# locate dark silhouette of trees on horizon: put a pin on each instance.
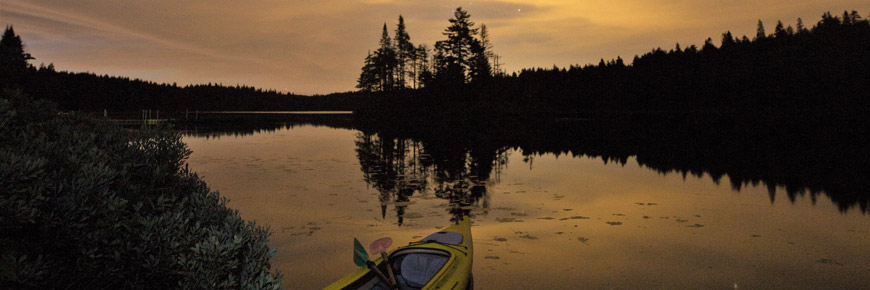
(91, 92)
(823, 68)
(463, 58)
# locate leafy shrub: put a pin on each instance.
(85, 204)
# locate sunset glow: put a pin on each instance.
(313, 47)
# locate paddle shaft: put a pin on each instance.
(378, 272)
(390, 270)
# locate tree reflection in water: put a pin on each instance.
(398, 168)
(814, 155)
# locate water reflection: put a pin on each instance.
(398, 168)
(218, 124)
(545, 204)
(458, 160)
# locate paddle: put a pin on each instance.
(361, 258)
(380, 246)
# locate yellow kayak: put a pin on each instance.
(441, 260)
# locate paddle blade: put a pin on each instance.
(360, 257)
(381, 245)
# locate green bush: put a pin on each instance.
(85, 204)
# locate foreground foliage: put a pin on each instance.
(87, 205)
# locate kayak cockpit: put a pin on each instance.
(413, 269)
(416, 267)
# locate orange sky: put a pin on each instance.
(318, 46)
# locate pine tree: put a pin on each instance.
(405, 52)
(386, 61)
(368, 80)
(490, 55)
(480, 68)
(779, 31)
(727, 40)
(800, 26)
(454, 55)
(13, 59)
(379, 71)
(760, 34)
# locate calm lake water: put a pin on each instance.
(541, 221)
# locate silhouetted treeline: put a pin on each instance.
(91, 92)
(823, 68)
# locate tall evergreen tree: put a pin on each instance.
(479, 67)
(369, 80)
(454, 55)
(386, 62)
(379, 71)
(405, 52)
(13, 59)
(482, 69)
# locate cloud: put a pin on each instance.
(64, 24)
